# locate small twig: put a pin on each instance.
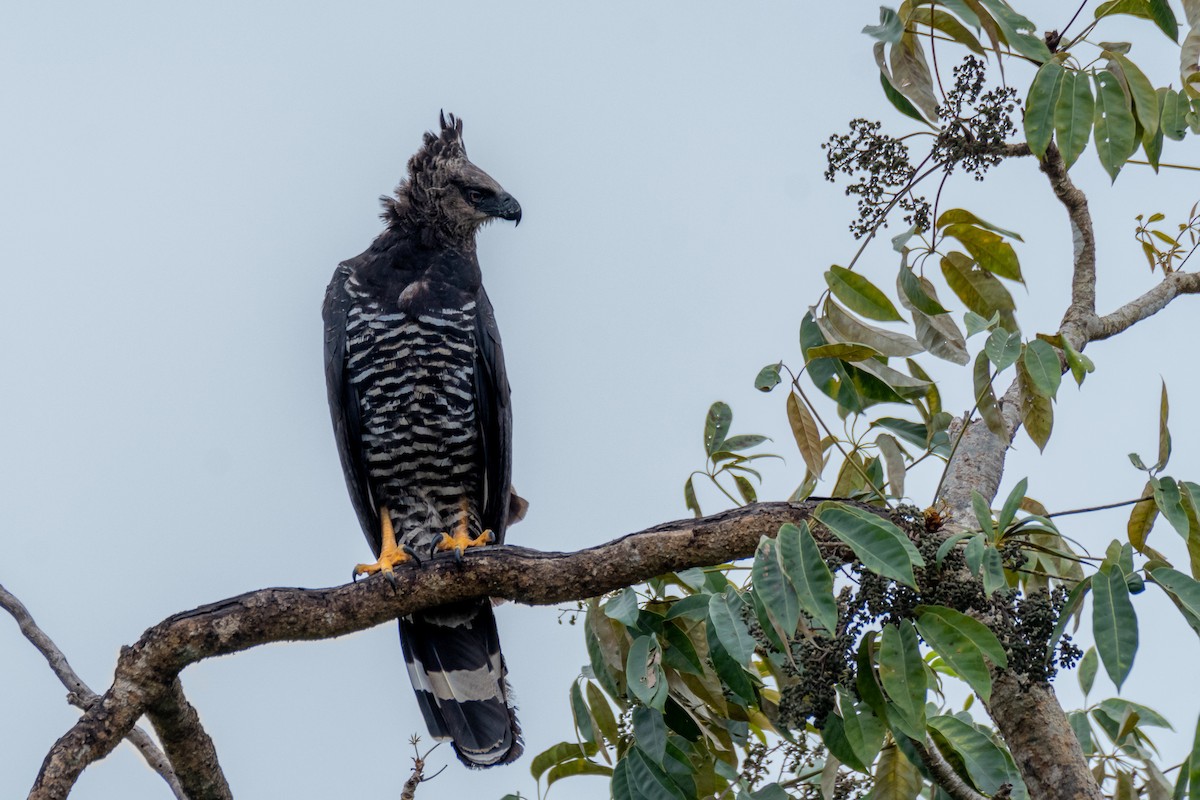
(79, 694)
(1100, 508)
(418, 771)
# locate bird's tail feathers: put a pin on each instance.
(454, 660)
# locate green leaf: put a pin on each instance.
(978, 289)
(847, 351)
(732, 674)
(911, 432)
(1087, 670)
(895, 776)
(903, 385)
(623, 607)
(1040, 107)
(1145, 100)
(768, 377)
(1184, 591)
(899, 101)
(1170, 502)
(1081, 366)
(993, 571)
(838, 325)
(1011, 504)
(725, 618)
(962, 642)
(555, 754)
(643, 672)
(1164, 433)
(940, 335)
(1044, 369)
(809, 575)
(946, 23)
(1141, 519)
(806, 433)
(1114, 623)
(745, 489)
(774, 589)
(578, 766)
(902, 672)
(650, 733)
(602, 714)
(1037, 413)
(1013, 26)
(956, 215)
(716, 426)
(950, 543)
(1159, 11)
(977, 324)
(1073, 116)
(985, 397)
(988, 249)
(1119, 707)
(689, 497)
(679, 652)
(864, 731)
(865, 680)
(860, 295)
(910, 287)
(983, 514)
(880, 545)
(1175, 108)
(911, 76)
(889, 28)
(583, 717)
(893, 459)
(1003, 348)
(1114, 123)
(833, 734)
(986, 763)
(647, 780)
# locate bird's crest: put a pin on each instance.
(428, 200)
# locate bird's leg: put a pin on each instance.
(461, 539)
(390, 553)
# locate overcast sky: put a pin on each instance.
(179, 181)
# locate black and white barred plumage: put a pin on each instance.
(420, 406)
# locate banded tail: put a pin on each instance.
(453, 658)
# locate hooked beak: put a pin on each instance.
(505, 206)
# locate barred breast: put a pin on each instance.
(413, 372)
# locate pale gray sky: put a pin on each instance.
(179, 182)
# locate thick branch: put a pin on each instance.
(1147, 305)
(1083, 277)
(146, 673)
(188, 745)
(79, 694)
(1046, 751)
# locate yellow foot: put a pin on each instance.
(461, 539)
(390, 554)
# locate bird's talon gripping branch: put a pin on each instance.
(390, 554)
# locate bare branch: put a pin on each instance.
(1083, 278)
(146, 675)
(188, 745)
(1149, 304)
(944, 774)
(79, 694)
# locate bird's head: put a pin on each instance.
(445, 194)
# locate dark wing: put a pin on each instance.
(494, 418)
(343, 403)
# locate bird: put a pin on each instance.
(420, 403)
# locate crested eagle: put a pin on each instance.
(420, 407)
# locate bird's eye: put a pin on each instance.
(474, 195)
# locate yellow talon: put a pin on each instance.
(390, 554)
(461, 539)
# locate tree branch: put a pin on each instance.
(1149, 304)
(944, 774)
(145, 680)
(1083, 277)
(79, 694)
